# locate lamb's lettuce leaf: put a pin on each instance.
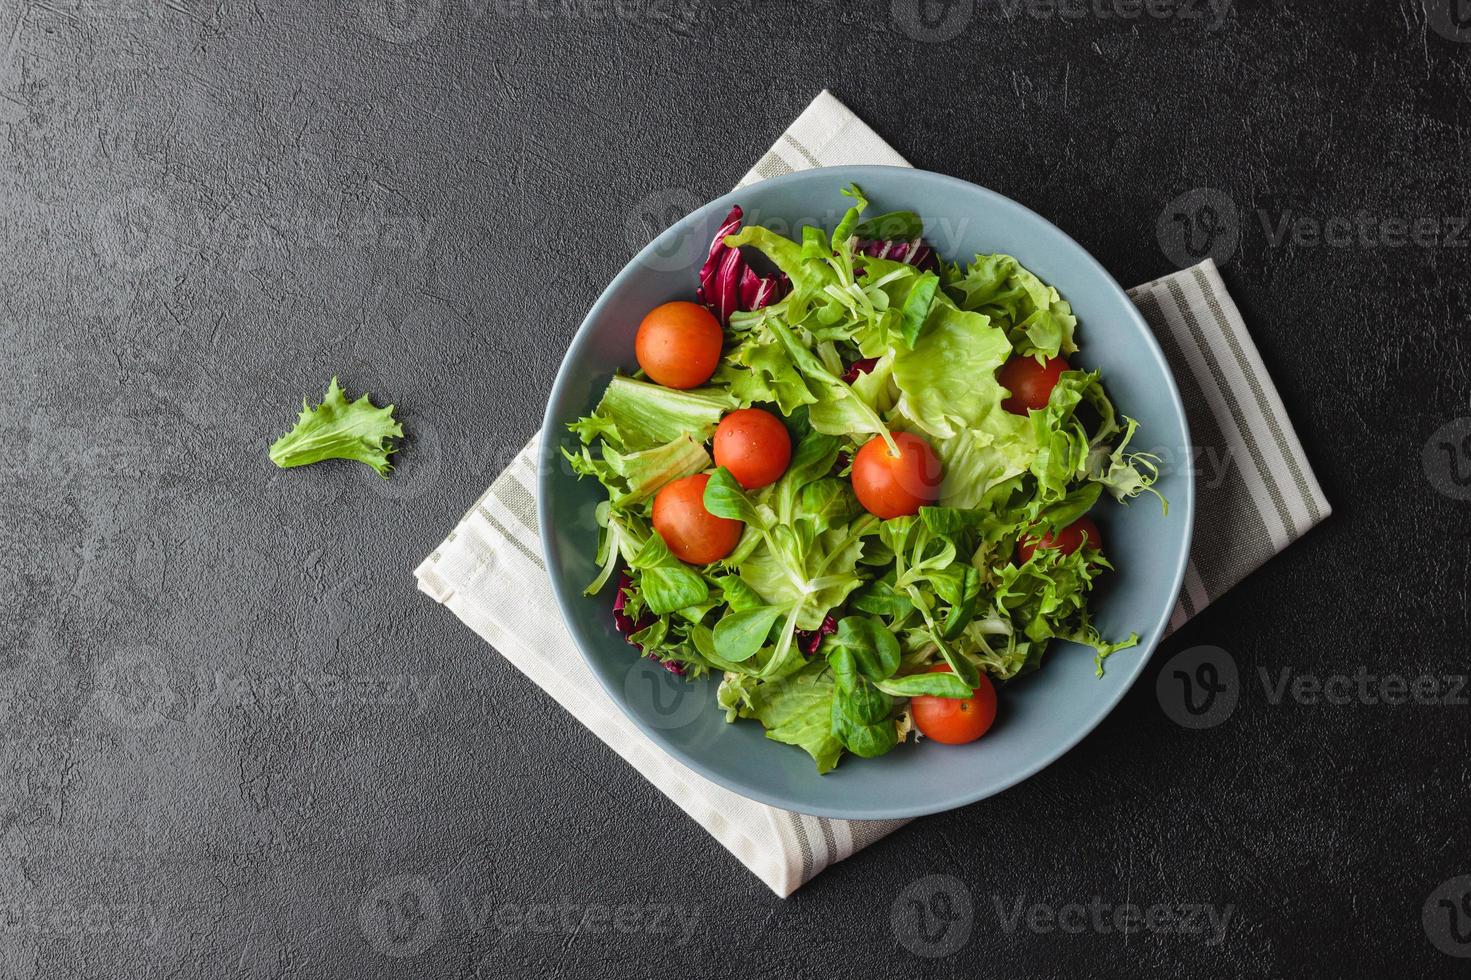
(845, 229)
(665, 582)
(894, 226)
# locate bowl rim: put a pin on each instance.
(876, 807)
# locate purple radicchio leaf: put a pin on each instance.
(861, 366)
(626, 626)
(728, 284)
(915, 253)
(758, 292)
(811, 640)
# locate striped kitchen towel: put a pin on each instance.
(1265, 499)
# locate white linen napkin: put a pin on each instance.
(1257, 508)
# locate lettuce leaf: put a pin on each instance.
(948, 391)
(839, 409)
(645, 472)
(808, 275)
(640, 415)
(810, 575)
(666, 583)
(797, 710)
(1124, 474)
(894, 226)
(846, 227)
(1036, 319)
(1043, 599)
(1068, 452)
(339, 429)
(947, 382)
(914, 315)
(977, 463)
(759, 370)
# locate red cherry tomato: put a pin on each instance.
(754, 446)
(678, 344)
(1069, 540)
(893, 486)
(1030, 383)
(693, 533)
(955, 721)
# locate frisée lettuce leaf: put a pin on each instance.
(339, 429)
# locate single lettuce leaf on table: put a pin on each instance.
(339, 429)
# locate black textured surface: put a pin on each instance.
(207, 210)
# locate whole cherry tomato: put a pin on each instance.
(955, 721)
(754, 445)
(693, 533)
(678, 344)
(890, 485)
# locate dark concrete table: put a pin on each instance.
(235, 737)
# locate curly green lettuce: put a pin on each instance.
(339, 429)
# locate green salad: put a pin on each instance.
(853, 481)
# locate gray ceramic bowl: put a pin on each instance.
(1041, 716)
